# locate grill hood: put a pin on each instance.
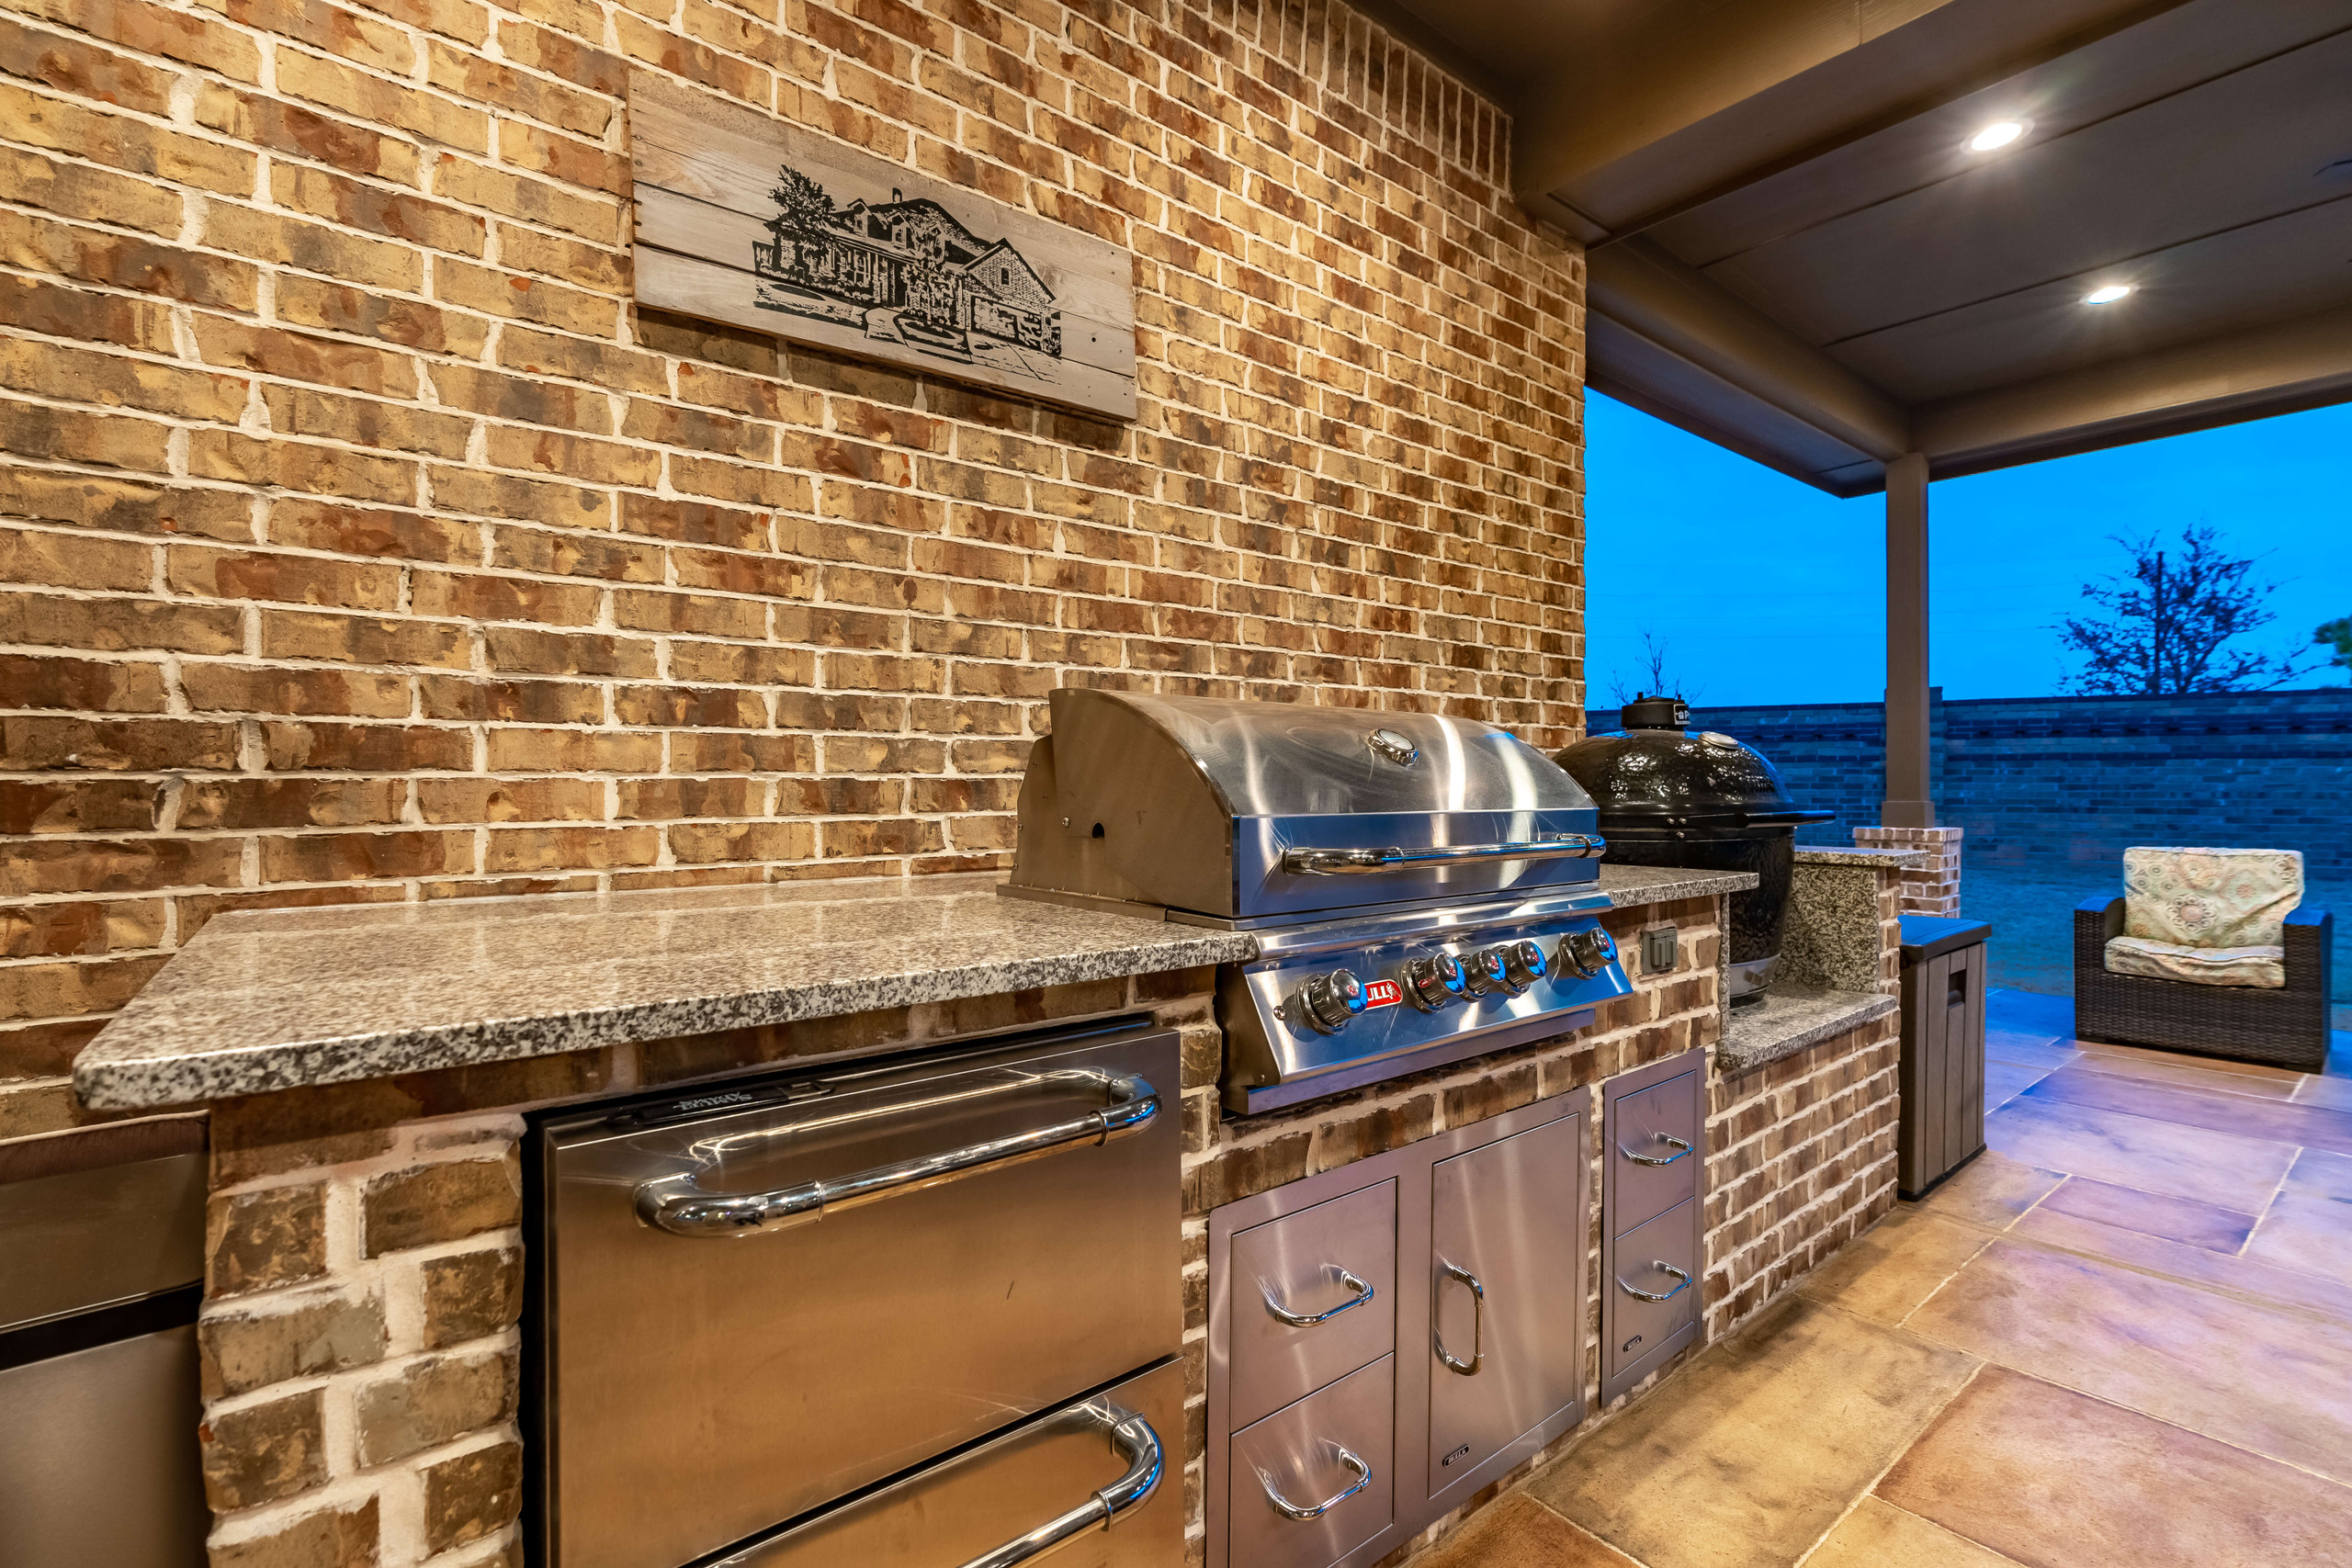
(1244, 809)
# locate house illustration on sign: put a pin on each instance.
(906, 271)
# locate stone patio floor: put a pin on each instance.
(2121, 1338)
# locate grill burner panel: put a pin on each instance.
(1279, 1052)
(1414, 880)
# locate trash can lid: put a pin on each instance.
(1925, 936)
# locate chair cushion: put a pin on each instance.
(2264, 967)
(2217, 898)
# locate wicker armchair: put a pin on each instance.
(2285, 1028)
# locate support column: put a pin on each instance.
(1909, 795)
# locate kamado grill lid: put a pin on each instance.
(1655, 775)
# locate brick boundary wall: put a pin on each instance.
(361, 540)
(2035, 779)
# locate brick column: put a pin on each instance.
(1934, 890)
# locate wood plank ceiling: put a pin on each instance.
(1795, 252)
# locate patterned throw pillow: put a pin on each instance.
(2201, 897)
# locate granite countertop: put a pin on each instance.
(1791, 1018)
(1884, 860)
(282, 999)
(1629, 885)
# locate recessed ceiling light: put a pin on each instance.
(2106, 296)
(2000, 133)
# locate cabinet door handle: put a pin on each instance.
(1663, 1268)
(1359, 1293)
(1290, 1510)
(1677, 1145)
(1468, 1368)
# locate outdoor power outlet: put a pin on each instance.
(1658, 949)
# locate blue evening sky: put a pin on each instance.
(1764, 589)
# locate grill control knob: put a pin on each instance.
(1330, 1000)
(1436, 981)
(1523, 964)
(1484, 972)
(1587, 953)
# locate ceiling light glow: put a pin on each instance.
(2106, 296)
(2000, 133)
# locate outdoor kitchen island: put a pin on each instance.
(368, 1070)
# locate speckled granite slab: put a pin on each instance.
(285, 997)
(1789, 1019)
(1882, 860)
(1629, 885)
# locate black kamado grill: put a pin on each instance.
(1705, 801)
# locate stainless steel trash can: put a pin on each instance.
(1943, 1050)
(101, 1268)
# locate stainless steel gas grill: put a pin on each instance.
(1420, 886)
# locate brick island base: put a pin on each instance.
(364, 1281)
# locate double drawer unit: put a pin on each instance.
(1654, 1158)
(1387, 1337)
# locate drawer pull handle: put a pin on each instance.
(1677, 1145)
(1137, 1443)
(1358, 1293)
(1290, 1510)
(682, 1206)
(1663, 1268)
(1468, 1368)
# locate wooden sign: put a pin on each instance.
(743, 219)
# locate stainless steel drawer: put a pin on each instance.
(1315, 1481)
(1656, 1289)
(1658, 1149)
(98, 1461)
(1128, 1441)
(1314, 1298)
(718, 1359)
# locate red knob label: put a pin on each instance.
(1381, 994)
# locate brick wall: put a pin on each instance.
(1801, 1159)
(360, 540)
(2036, 779)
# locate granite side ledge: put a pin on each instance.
(286, 998)
(1630, 886)
(1791, 1018)
(1881, 860)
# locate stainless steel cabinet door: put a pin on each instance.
(1507, 1246)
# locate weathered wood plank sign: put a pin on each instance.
(746, 219)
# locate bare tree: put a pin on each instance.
(2168, 625)
(2338, 634)
(1651, 677)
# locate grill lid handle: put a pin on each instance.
(681, 1205)
(1371, 862)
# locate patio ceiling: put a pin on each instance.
(1794, 253)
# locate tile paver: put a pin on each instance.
(2121, 1338)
